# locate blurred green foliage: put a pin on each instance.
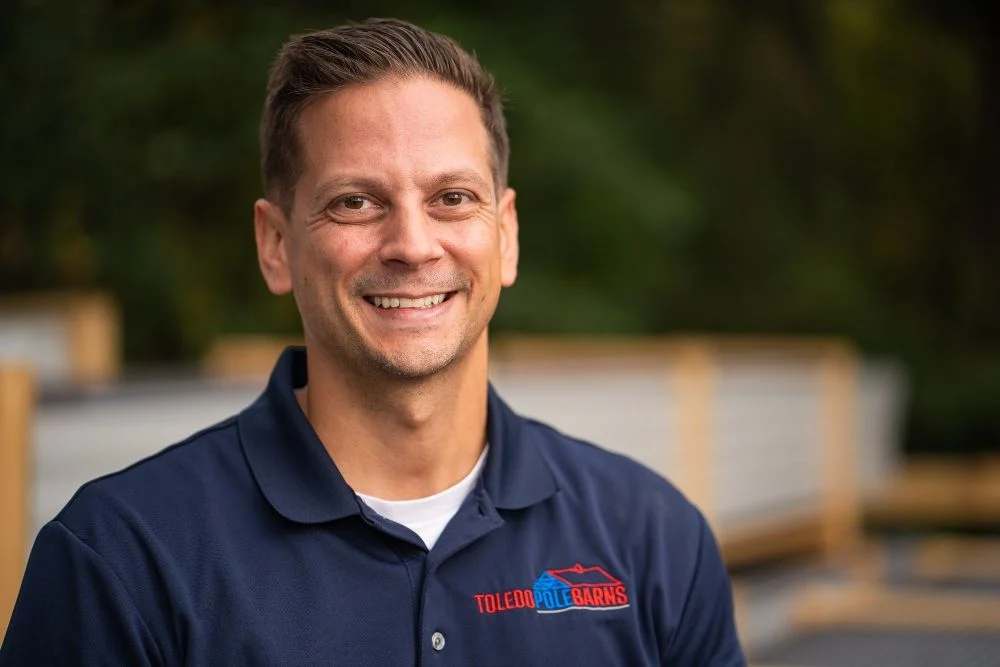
(823, 167)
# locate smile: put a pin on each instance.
(403, 302)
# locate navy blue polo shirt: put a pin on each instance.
(243, 545)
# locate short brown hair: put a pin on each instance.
(315, 64)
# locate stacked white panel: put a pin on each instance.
(625, 407)
(766, 440)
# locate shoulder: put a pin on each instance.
(608, 481)
(161, 489)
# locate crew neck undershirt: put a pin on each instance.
(428, 516)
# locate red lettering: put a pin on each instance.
(492, 603)
(588, 597)
(577, 596)
(599, 597)
(620, 596)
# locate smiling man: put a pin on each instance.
(379, 504)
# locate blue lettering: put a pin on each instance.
(567, 599)
(548, 599)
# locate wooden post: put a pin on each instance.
(838, 424)
(94, 338)
(742, 612)
(84, 327)
(17, 402)
(695, 387)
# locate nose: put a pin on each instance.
(410, 238)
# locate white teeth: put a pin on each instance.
(402, 302)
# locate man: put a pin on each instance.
(379, 504)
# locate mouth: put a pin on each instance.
(399, 302)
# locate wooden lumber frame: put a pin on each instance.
(941, 491)
(877, 606)
(93, 327)
(243, 357)
(842, 492)
(17, 401)
(956, 559)
(830, 529)
(767, 540)
(694, 384)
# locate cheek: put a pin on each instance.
(330, 255)
(476, 246)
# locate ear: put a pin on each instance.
(508, 238)
(270, 230)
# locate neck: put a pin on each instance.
(399, 438)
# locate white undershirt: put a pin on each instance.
(428, 516)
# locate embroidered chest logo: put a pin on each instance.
(568, 589)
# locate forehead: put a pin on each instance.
(400, 129)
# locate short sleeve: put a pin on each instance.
(72, 609)
(706, 632)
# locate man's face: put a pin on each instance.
(397, 244)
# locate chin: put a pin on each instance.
(414, 364)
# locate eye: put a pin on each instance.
(353, 208)
(353, 202)
(454, 198)
(454, 205)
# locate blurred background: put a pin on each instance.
(795, 200)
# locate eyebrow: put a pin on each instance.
(462, 175)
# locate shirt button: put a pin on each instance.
(437, 641)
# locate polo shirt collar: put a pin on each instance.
(516, 474)
(299, 479)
